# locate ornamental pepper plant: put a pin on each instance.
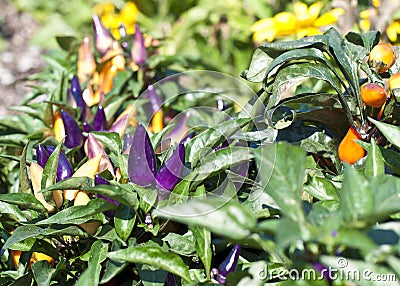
(120, 170)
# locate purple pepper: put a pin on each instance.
(87, 127)
(72, 131)
(188, 137)
(64, 168)
(169, 174)
(102, 37)
(42, 155)
(99, 121)
(77, 93)
(120, 125)
(228, 265)
(99, 180)
(170, 280)
(141, 159)
(221, 104)
(138, 53)
(94, 147)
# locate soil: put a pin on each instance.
(19, 59)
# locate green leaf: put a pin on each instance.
(223, 159)
(391, 132)
(374, 165)
(150, 276)
(384, 190)
(300, 54)
(154, 257)
(21, 233)
(25, 185)
(356, 199)
(73, 183)
(181, 244)
(367, 40)
(225, 218)
(43, 272)
(61, 230)
(98, 253)
(264, 55)
(212, 137)
(285, 183)
(13, 211)
(67, 43)
(203, 246)
(78, 214)
(25, 201)
(347, 56)
(321, 188)
(355, 239)
(296, 73)
(109, 139)
(50, 170)
(148, 199)
(124, 221)
(118, 193)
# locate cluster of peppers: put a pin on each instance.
(375, 98)
(76, 135)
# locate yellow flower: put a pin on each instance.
(393, 30)
(304, 21)
(112, 20)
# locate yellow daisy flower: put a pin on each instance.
(127, 16)
(304, 21)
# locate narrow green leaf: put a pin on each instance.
(293, 74)
(78, 214)
(203, 246)
(109, 139)
(124, 221)
(321, 188)
(50, 170)
(150, 276)
(153, 256)
(213, 136)
(117, 193)
(367, 40)
(73, 183)
(181, 244)
(21, 233)
(25, 185)
(223, 159)
(148, 199)
(347, 56)
(13, 211)
(264, 55)
(374, 165)
(43, 272)
(391, 132)
(225, 218)
(25, 201)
